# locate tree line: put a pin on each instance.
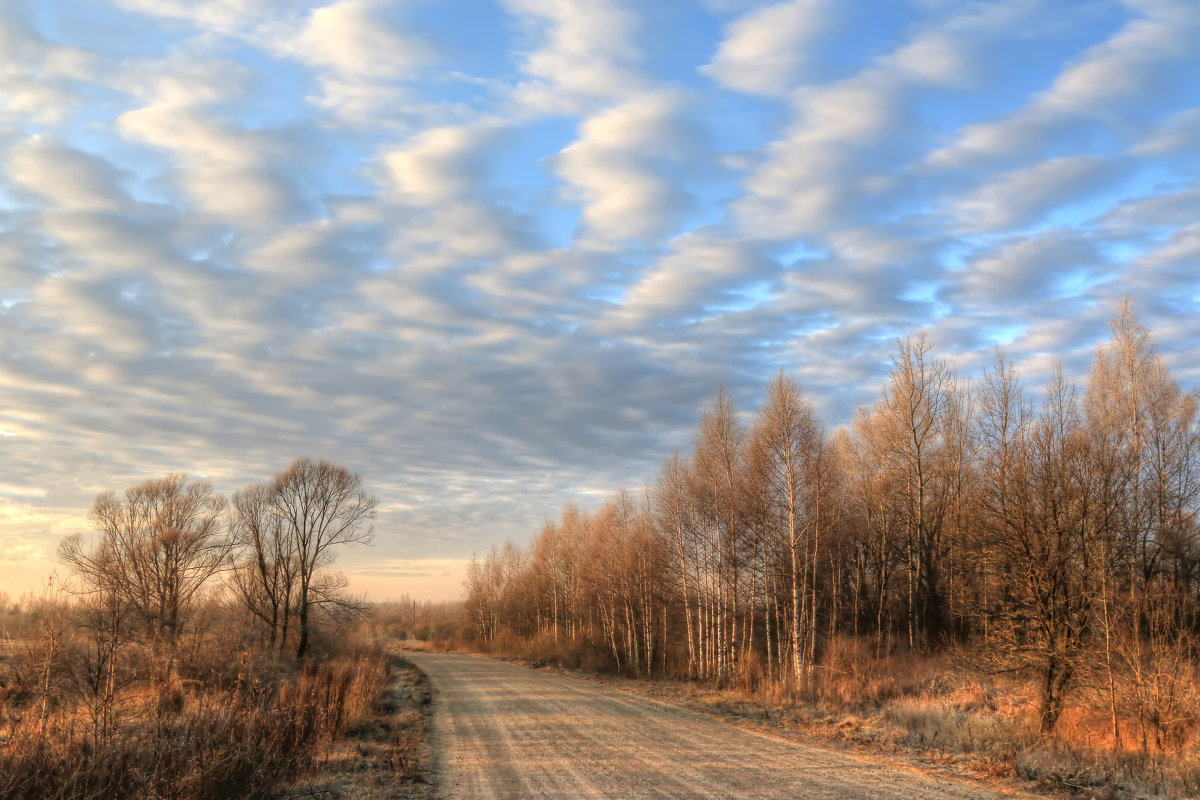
(1053, 536)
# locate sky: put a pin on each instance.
(495, 255)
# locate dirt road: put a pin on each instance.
(508, 732)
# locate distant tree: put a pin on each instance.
(323, 507)
(1147, 426)
(485, 586)
(1061, 543)
(50, 615)
(625, 563)
(554, 561)
(1001, 425)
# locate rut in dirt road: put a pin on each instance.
(507, 732)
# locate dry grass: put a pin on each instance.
(385, 754)
(243, 733)
(989, 726)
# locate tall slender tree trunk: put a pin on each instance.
(797, 598)
(812, 612)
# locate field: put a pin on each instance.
(226, 721)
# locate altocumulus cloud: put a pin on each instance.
(494, 254)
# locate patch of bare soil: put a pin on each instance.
(385, 755)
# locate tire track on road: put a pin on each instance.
(504, 731)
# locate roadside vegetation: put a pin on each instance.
(197, 648)
(385, 753)
(1007, 582)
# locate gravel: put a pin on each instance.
(503, 731)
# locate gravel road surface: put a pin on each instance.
(503, 731)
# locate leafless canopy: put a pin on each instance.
(159, 544)
(322, 506)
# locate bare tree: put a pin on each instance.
(1004, 416)
(484, 586)
(266, 567)
(873, 495)
(159, 546)
(675, 521)
(1145, 436)
(555, 561)
(720, 451)
(324, 507)
(1040, 516)
(792, 444)
(102, 622)
(52, 626)
(915, 404)
(1059, 547)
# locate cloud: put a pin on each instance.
(1164, 276)
(1179, 134)
(624, 167)
(362, 59)
(769, 50)
(231, 173)
(856, 146)
(1025, 196)
(222, 16)
(65, 177)
(185, 80)
(349, 39)
(22, 262)
(317, 251)
(1168, 210)
(222, 167)
(1140, 54)
(699, 278)
(37, 76)
(586, 52)
(970, 45)
(829, 164)
(359, 55)
(1001, 141)
(440, 164)
(1038, 269)
(1106, 83)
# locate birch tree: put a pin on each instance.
(718, 460)
(792, 445)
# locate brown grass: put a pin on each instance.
(241, 734)
(385, 753)
(987, 725)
